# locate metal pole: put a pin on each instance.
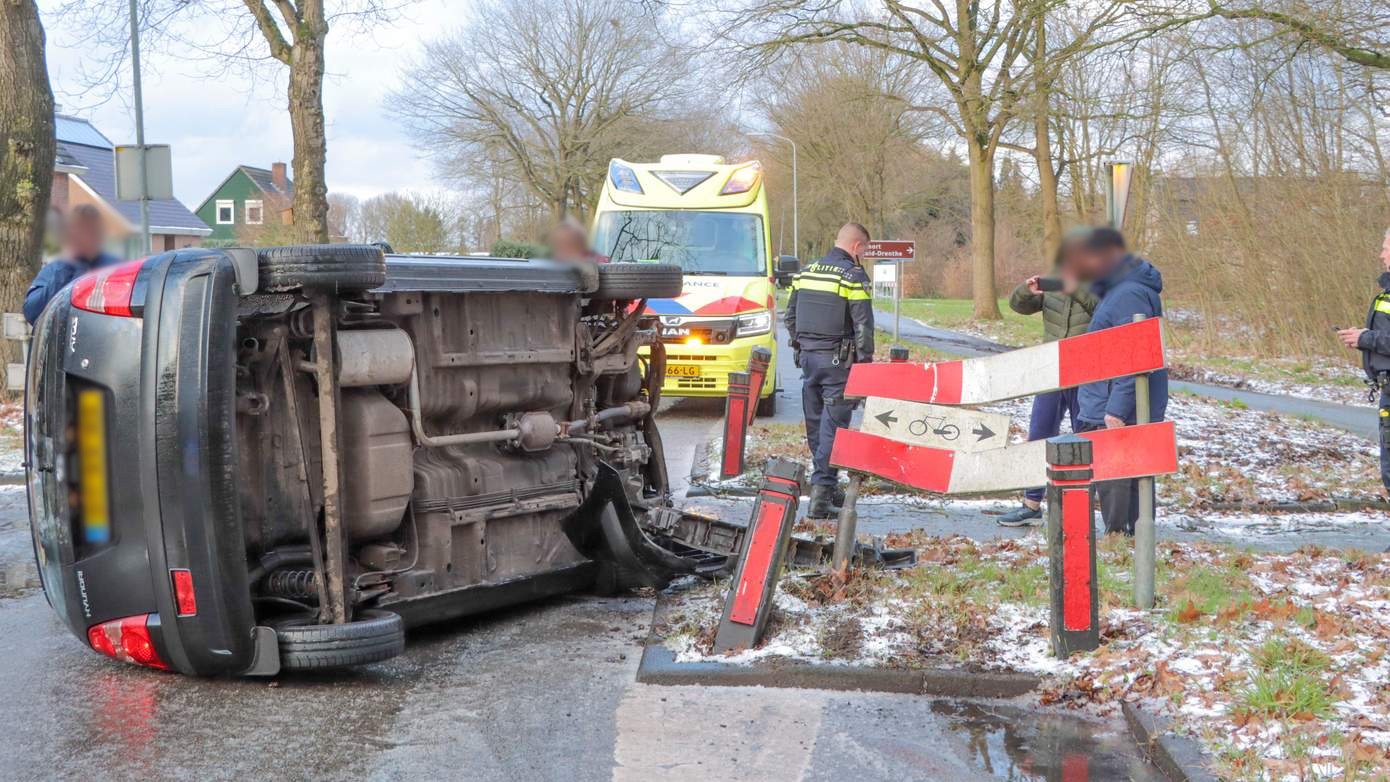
(796, 233)
(1144, 542)
(845, 525)
(897, 300)
(140, 127)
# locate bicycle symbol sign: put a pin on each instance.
(954, 428)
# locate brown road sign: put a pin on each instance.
(952, 428)
(890, 250)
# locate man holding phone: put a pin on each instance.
(1066, 308)
(1374, 343)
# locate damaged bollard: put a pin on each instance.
(897, 354)
(758, 361)
(749, 603)
(735, 426)
(1071, 547)
(846, 526)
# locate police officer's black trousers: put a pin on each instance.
(1385, 437)
(823, 401)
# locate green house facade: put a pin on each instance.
(249, 199)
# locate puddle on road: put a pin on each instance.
(1014, 744)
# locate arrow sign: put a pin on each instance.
(952, 428)
(1131, 349)
(1129, 452)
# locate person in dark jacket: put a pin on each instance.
(1126, 285)
(1066, 313)
(1374, 343)
(83, 239)
(830, 324)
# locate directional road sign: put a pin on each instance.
(1129, 452)
(1131, 349)
(953, 428)
(889, 250)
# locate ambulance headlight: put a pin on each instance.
(754, 323)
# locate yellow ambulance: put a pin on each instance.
(709, 217)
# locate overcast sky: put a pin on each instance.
(214, 125)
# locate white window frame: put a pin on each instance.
(230, 206)
(259, 206)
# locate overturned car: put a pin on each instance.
(244, 461)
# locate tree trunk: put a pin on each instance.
(26, 148)
(982, 230)
(306, 125)
(1042, 147)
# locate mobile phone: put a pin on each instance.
(1050, 284)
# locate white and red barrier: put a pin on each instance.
(1132, 349)
(1129, 452)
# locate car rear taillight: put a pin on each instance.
(128, 640)
(184, 598)
(110, 291)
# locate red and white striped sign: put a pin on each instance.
(1129, 452)
(1131, 349)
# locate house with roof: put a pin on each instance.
(84, 172)
(248, 203)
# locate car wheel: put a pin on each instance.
(337, 267)
(767, 407)
(638, 281)
(306, 646)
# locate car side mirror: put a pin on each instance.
(787, 267)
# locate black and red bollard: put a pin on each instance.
(897, 354)
(735, 426)
(1071, 546)
(758, 360)
(749, 603)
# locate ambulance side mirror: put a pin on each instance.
(787, 267)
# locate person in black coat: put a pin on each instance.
(1374, 343)
(83, 241)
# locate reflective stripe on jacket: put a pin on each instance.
(1375, 340)
(831, 304)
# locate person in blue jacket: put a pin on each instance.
(84, 238)
(1126, 285)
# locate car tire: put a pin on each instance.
(618, 281)
(371, 637)
(767, 406)
(336, 267)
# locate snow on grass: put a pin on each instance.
(1276, 662)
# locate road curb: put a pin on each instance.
(1180, 758)
(659, 666)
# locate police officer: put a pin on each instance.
(1374, 343)
(830, 322)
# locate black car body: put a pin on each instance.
(241, 461)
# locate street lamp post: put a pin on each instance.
(796, 235)
(140, 128)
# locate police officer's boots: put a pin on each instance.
(821, 499)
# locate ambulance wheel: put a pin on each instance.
(767, 406)
(626, 281)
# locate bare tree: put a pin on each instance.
(982, 52)
(550, 89)
(1359, 32)
(227, 33)
(26, 147)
